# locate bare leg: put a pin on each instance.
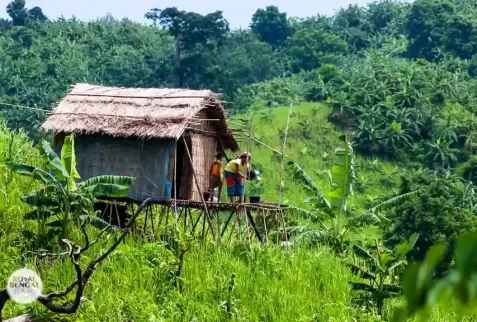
(219, 197)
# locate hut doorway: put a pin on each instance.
(183, 171)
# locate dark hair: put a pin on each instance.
(218, 155)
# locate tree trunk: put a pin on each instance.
(177, 64)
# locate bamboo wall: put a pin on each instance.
(147, 161)
(203, 154)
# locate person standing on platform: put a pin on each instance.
(234, 176)
(216, 176)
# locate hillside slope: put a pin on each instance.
(311, 143)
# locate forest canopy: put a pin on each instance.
(398, 76)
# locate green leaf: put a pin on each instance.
(342, 174)
(360, 272)
(111, 186)
(54, 161)
(390, 203)
(68, 158)
(405, 247)
(108, 190)
(313, 192)
(366, 219)
(98, 223)
(417, 279)
(41, 198)
(364, 254)
(108, 179)
(465, 254)
(36, 173)
(363, 287)
(396, 265)
(56, 223)
(38, 214)
(399, 315)
(392, 288)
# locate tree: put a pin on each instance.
(21, 16)
(36, 14)
(17, 11)
(270, 25)
(433, 25)
(310, 49)
(192, 32)
(438, 215)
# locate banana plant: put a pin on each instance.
(335, 207)
(60, 195)
(381, 268)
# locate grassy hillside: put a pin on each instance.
(135, 283)
(311, 142)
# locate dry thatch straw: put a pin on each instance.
(136, 112)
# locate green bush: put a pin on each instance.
(438, 215)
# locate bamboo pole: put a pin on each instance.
(282, 165)
(207, 214)
(265, 145)
(176, 226)
(247, 173)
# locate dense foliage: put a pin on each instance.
(441, 213)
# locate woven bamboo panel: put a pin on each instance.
(203, 152)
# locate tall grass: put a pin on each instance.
(135, 282)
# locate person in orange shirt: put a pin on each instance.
(216, 176)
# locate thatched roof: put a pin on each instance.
(136, 112)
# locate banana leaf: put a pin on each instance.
(98, 223)
(68, 158)
(342, 174)
(36, 173)
(53, 161)
(108, 179)
(314, 194)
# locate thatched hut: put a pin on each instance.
(138, 132)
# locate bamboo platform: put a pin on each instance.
(192, 215)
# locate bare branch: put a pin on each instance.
(74, 252)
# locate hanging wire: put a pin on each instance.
(25, 107)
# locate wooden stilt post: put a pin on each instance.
(227, 222)
(254, 227)
(200, 191)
